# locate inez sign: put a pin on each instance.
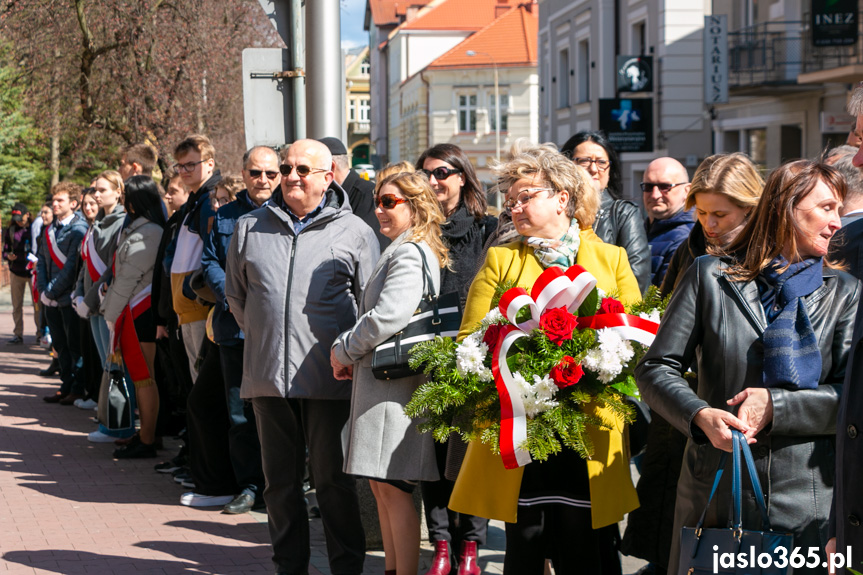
(716, 59)
(834, 22)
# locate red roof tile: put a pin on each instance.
(392, 11)
(458, 14)
(511, 40)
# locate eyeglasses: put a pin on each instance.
(188, 167)
(524, 198)
(389, 201)
(441, 173)
(255, 174)
(664, 187)
(601, 164)
(302, 171)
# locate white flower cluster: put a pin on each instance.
(608, 359)
(537, 397)
(470, 355)
(491, 318)
(652, 316)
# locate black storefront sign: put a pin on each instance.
(834, 22)
(628, 123)
(635, 73)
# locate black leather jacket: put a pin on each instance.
(619, 223)
(719, 324)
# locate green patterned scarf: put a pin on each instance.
(560, 253)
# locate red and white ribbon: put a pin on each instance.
(95, 266)
(55, 253)
(627, 326)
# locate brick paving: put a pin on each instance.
(67, 507)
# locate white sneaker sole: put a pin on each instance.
(192, 499)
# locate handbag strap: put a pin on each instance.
(741, 446)
(427, 279)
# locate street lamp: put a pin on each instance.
(496, 101)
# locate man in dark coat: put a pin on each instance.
(665, 186)
(847, 243)
(846, 515)
(361, 193)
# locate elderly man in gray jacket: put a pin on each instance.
(295, 270)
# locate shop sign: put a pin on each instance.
(628, 123)
(716, 59)
(635, 73)
(834, 22)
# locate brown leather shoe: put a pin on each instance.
(56, 398)
(70, 399)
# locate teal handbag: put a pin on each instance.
(735, 550)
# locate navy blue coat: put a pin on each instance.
(56, 283)
(225, 328)
(664, 237)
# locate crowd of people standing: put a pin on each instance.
(242, 312)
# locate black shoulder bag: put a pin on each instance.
(435, 316)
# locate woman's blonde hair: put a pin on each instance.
(426, 214)
(528, 160)
(114, 178)
(395, 169)
(731, 175)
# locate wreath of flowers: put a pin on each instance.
(557, 370)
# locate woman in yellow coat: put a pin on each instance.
(565, 508)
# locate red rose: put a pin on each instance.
(491, 335)
(566, 373)
(558, 324)
(610, 305)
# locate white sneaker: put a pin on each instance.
(99, 437)
(192, 499)
(85, 404)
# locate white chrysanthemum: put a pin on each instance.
(470, 356)
(652, 316)
(492, 317)
(537, 397)
(610, 357)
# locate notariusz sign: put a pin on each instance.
(716, 59)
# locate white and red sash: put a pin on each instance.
(554, 288)
(126, 338)
(51, 241)
(95, 266)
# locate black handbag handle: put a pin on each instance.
(739, 445)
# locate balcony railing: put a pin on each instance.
(775, 53)
(766, 54)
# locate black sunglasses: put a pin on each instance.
(664, 187)
(441, 173)
(302, 171)
(270, 175)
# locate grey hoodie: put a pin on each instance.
(105, 235)
(293, 293)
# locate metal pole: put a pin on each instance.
(496, 112)
(323, 71)
(298, 83)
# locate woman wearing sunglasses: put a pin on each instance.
(568, 508)
(619, 221)
(384, 445)
(465, 232)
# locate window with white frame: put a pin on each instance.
(563, 78)
(639, 38)
(352, 110)
(364, 110)
(365, 67)
(584, 70)
(467, 113)
(504, 112)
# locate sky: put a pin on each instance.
(353, 12)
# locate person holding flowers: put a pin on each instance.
(565, 508)
(768, 327)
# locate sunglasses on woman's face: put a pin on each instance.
(441, 173)
(389, 201)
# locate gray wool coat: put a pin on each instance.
(384, 442)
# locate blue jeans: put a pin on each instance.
(102, 335)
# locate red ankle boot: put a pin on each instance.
(440, 564)
(467, 560)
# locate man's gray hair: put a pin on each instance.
(248, 155)
(855, 102)
(840, 158)
(341, 161)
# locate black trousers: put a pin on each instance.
(174, 381)
(285, 427)
(443, 523)
(563, 534)
(243, 444)
(91, 365)
(63, 323)
(207, 424)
